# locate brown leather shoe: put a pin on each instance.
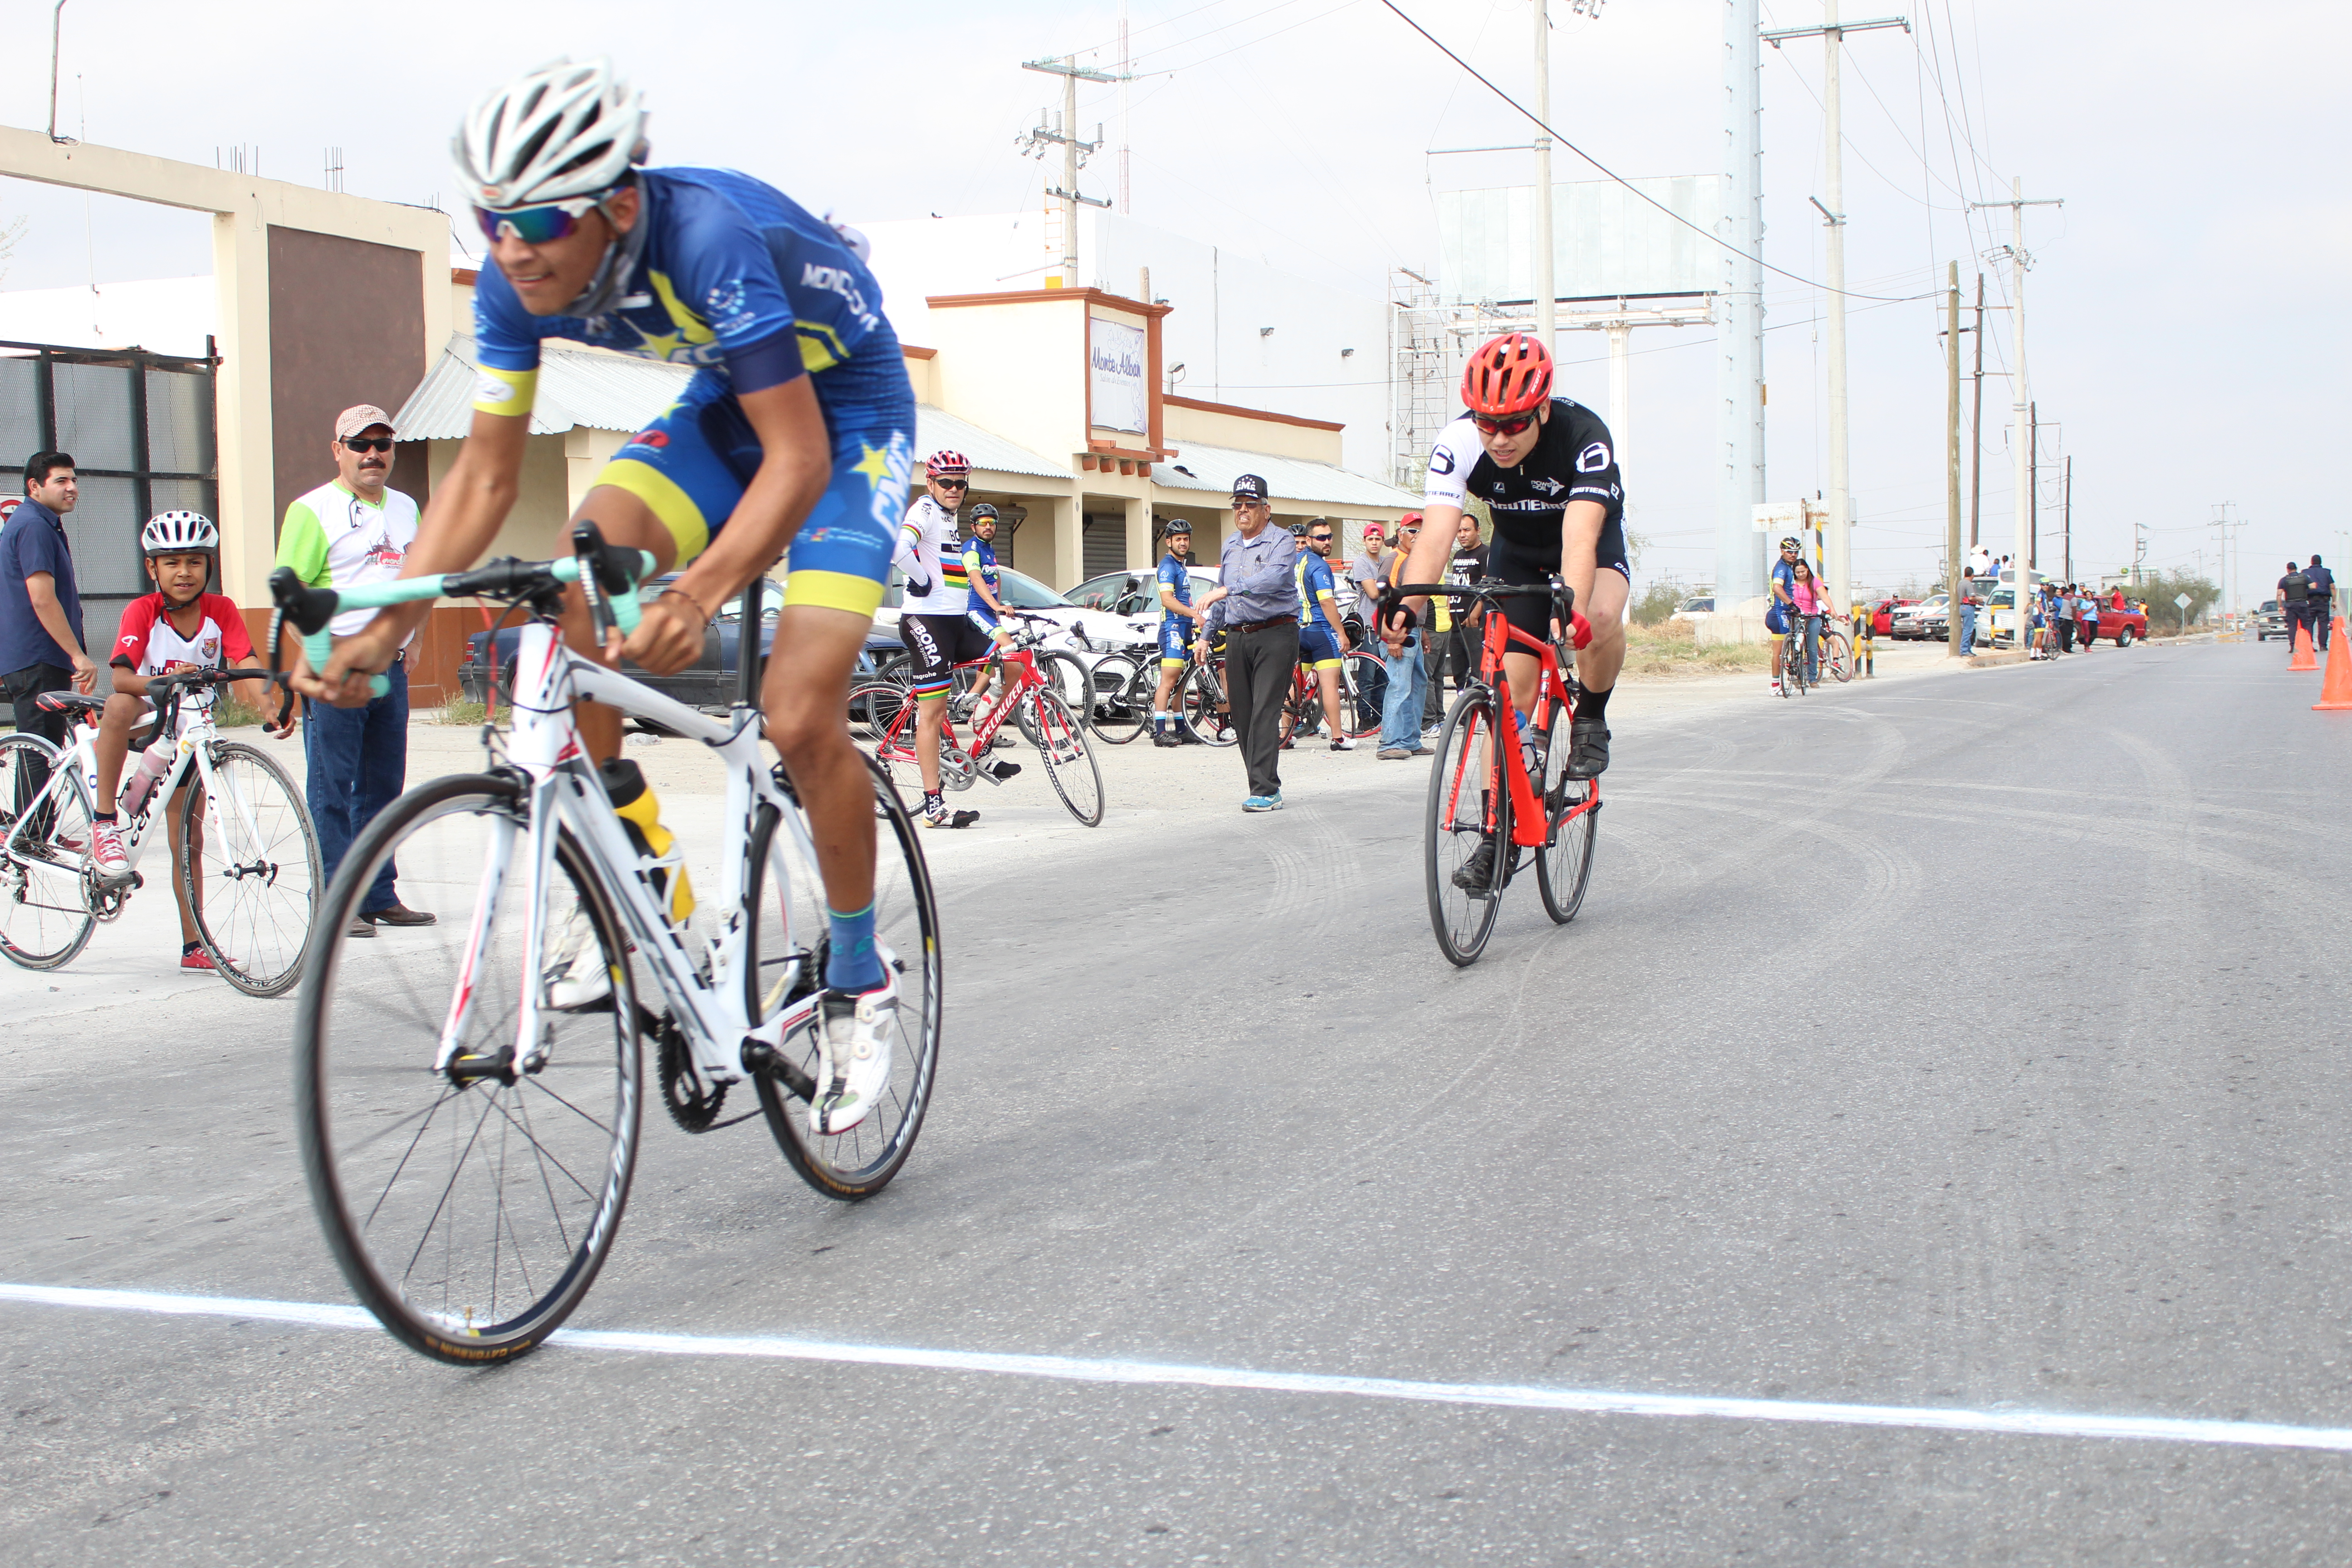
(361, 928)
(396, 915)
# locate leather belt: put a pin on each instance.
(1261, 626)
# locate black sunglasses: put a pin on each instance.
(953, 484)
(368, 443)
(1318, 539)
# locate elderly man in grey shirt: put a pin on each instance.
(1256, 604)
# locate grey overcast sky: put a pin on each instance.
(2186, 338)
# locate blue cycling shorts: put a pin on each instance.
(1175, 640)
(692, 465)
(1319, 649)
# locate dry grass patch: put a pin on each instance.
(1670, 650)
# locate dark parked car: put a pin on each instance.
(709, 683)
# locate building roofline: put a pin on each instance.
(1030, 296)
(1207, 408)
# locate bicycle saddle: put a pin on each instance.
(66, 701)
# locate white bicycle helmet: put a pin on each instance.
(561, 131)
(170, 532)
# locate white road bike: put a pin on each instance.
(468, 1093)
(248, 855)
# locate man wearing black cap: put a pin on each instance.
(1255, 602)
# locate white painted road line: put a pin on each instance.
(1074, 1369)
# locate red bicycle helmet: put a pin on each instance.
(1510, 376)
(948, 464)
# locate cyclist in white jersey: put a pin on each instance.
(933, 622)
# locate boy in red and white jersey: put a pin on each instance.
(177, 628)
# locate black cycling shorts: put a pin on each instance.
(939, 643)
(1511, 563)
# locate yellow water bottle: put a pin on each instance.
(639, 810)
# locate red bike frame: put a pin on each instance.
(1531, 825)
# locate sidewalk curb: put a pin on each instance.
(1991, 661)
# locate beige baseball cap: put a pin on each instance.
(353, 420)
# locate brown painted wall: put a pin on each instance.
(346, 325)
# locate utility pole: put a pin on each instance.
(1126, 74)
(1953, 565)
(1546, 289)
(2067, 521)
(1739, 338)
(2021, 406)
(1976, 425)
(2033, 480)
(1833, 36)
(1075, 153)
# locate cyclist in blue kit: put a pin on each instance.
(796, 432)
(1179, 621)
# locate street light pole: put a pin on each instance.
(2021, 406)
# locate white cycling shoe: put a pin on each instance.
(855, 1030)
(579, 977)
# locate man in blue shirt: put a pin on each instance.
(1322, 641)
(41, 646)
(1253, 602)
(2322, 601)
(1782, 604)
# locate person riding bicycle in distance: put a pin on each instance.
(1547, 469)
(1179, 621)
(1782, 604)
(795, 431)
(177, 628)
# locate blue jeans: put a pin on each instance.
(1967, 630)
(358, 759)
(1408, 681)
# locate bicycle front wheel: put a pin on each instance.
(1068, 760)
(44, 913)
(1111, 712)
(249, 870)
(1564, 864)
(1459, 817)
(784, 903)
(1363, 693)
(470, 1208)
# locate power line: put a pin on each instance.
(1613, 174)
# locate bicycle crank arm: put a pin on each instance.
(759, 1056)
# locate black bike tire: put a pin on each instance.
(1356, 668)
(1050, 710)
(1461, 950)
(1567, 846)
(223, 964)
(62, 956)
(1110, 714)
(786, 1116)
(337, 908)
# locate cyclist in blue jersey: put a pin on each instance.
(796, 432)
(1180, 620)
(985, 608)
(1322, 639)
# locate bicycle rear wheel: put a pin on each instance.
(1202, 707)
(469, 1209)
(254, 886)
(44, 913)
(784, 902)
(1457, 820)
(1112, 714)
(1068, 760)
(1564, 864)
(1363, 692)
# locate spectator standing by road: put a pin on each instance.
(353, 530)
(1255, 602)
(1401, 725)
(2294, 598)
(41, 647)
(1368, 571)
(1453, 645)
(2322, 598)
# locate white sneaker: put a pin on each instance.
(1343, 744)
(1776, 688)
(854, 1043)
(578, 976)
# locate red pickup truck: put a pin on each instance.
(2123, 626)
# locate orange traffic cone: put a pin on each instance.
(2335, 687)
(2303, 658)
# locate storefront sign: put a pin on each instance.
(1115, 370)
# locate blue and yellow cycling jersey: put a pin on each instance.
(979, 566)
(1313, 574)
(1177, 578)
(736, 280)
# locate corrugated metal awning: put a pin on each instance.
(1215, 469)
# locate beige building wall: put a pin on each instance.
(1016, 368)
(1315, 441)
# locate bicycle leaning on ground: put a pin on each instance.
(469, 1095)
(1481, 784)
(248, 855)
(882, 713)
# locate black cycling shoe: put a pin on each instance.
(1475, 876)
(1588, 749)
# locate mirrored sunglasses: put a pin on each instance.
(536, 225)
(1511, 425)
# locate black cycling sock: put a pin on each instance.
(1591, 704)
(104, 816)
(188, 947)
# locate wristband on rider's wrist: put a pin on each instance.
(689, 598)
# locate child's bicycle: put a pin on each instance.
(1480, 785)
(468, 1094)
(247, 857)
(883, 713)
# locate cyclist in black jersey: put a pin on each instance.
(1547, 469)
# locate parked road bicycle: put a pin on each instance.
(247, 856)
(1363, 688)
(883, 713)
(469, 1095)
(1492, 776)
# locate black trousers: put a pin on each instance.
(1258, 668)
(2305, 614)
(1455, 649)
(2066, 636)
(23, 686)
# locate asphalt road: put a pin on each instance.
(1962, 1046)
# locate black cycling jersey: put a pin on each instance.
(1573, 460)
